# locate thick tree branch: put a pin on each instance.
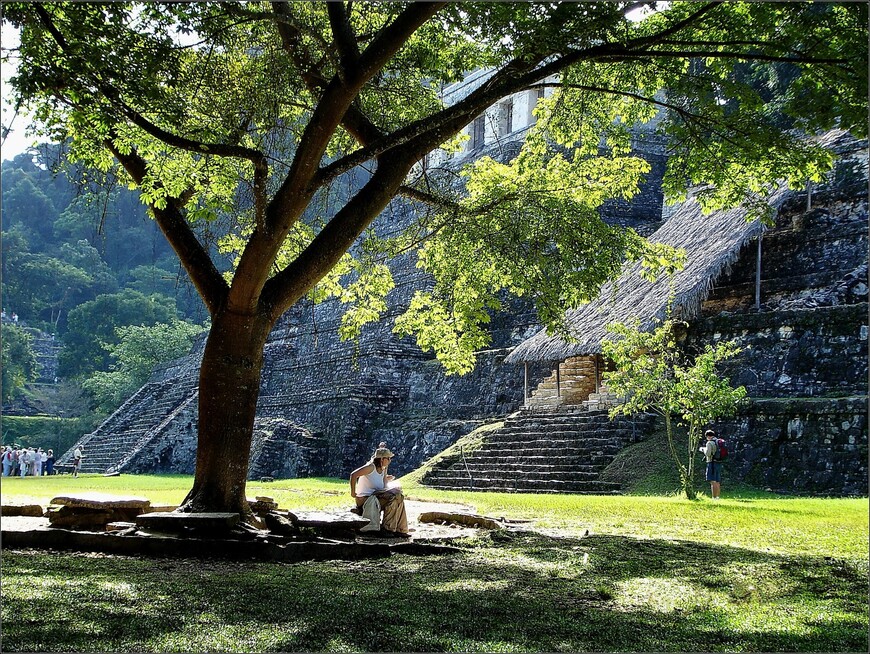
(334, 240)
(391, 38)
(193, 256)
(345, 40)
(296, 191)
(257, 158)
(357, 123)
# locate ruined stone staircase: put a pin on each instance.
(132, 426)
(560, 450)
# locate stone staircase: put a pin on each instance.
(136, 423)
(557, 451)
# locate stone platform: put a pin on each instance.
(141, 538)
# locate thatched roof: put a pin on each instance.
(712, 243)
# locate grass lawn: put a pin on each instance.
(655, 573)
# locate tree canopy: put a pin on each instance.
(138, 349)
(18, 361)
(260, 113)
(256, 111)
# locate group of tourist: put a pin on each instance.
(13, 317)
(27, 461)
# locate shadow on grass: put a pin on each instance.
(526, 592)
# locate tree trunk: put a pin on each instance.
(689, 476)
(229, 384)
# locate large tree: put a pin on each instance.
(263, 111)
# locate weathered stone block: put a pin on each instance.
(77, 517)
(101, 501)
(13, 510)
(181, 522)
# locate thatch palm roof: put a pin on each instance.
(712, 243)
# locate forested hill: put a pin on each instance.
(80, 261)
(65, 244)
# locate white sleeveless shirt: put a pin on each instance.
(371, 483)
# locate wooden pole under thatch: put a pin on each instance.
(597, 387)
(758, 275)
(558, 383)
(526, 383)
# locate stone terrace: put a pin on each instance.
(563, 450)
(136, 423)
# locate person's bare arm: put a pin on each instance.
(356, 474)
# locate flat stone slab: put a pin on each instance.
(160, 508)
(180, 522)
(465, 519)
(32, 510)
(321, 519)
(25, 532)
(78, 517)
(102, 501)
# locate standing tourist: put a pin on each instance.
(16, 455)
(49, 463)
(25, 460)
(7, 460)
(77, 460)
(714, 467)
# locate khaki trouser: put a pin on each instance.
(392, 503)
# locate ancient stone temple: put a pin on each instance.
(325, 404)
(793, 295)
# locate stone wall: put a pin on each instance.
(325, 404)
(805, 360)
(338, 400)
(798, 445)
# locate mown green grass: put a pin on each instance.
(655, 574)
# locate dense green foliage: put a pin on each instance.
(653, 374)
(138, 349)
(17, 360)
(48, 432)
(92, 324)
(655, 574)
(256, 116)
(202, 117)
(66, 241)
(79, 260)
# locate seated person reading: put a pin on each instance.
(375, 490)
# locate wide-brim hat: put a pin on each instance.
(383, 453)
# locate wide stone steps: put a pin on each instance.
(598, 460)
(565, 473)
(578, 464)
(595, 432)
(458, 482)
(519, 450)
(561, 451)
(121, 434)
(556, 425)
